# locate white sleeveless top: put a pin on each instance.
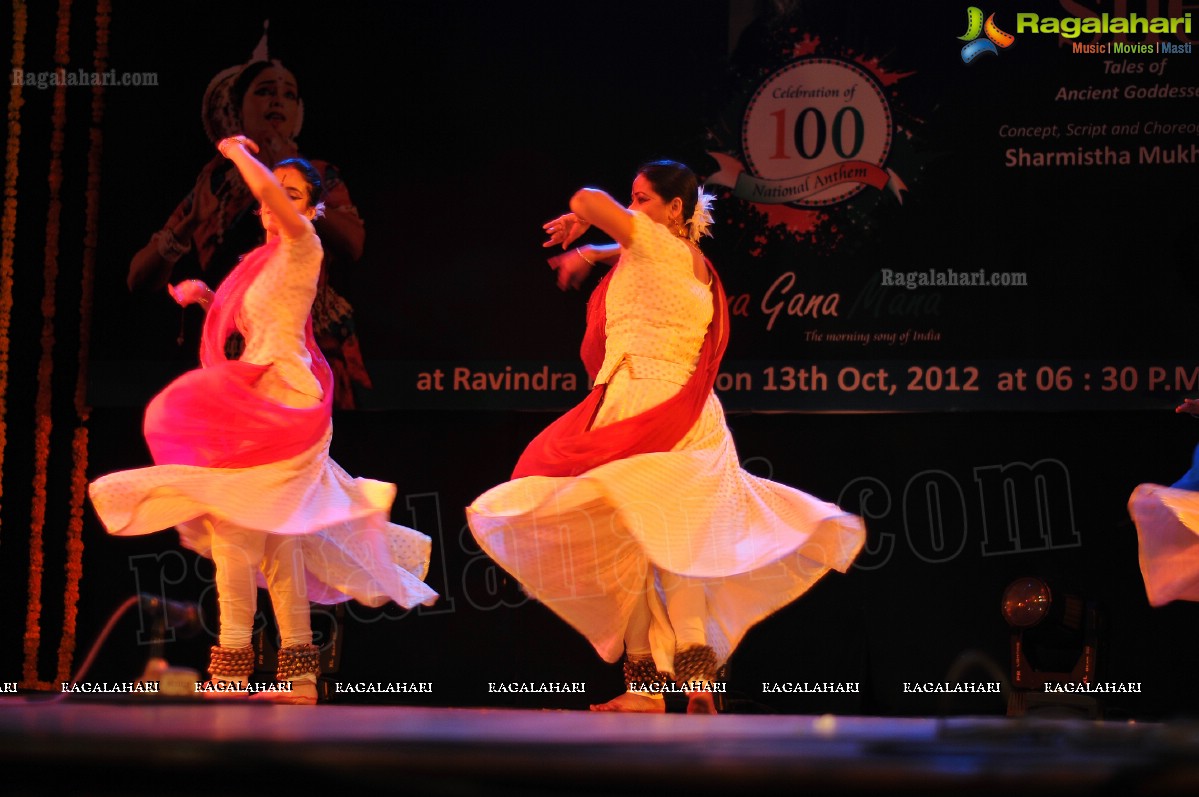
(657, 311)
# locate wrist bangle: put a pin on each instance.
(579, 252)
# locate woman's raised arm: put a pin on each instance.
(599, 209)
(263, 184)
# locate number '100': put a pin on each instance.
(814, 119)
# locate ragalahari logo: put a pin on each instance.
(994, 39)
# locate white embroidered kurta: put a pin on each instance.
(589, 546)
(351, 549)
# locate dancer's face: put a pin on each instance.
(296, 188)
(271, 105)
(647, 200)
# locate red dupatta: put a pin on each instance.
(212, 416)
(569, 446)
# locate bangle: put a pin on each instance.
(225, 142)
(579, 252)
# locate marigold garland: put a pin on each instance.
(74, 564)
(43, 420)
(8, 227)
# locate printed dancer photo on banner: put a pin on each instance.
(214, 224)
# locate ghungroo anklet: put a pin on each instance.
(640, 673)
(231, 663)
(298, 660)
(694, 663)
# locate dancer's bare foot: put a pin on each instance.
(701, 703)
(633, 702)
(303, 693)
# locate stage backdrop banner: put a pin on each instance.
(956, 208)
(968, 208)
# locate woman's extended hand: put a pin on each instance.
(1189, 406)
(564, 230)
(245, 141)
(571, 269)
(191, 292)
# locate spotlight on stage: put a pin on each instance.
(1054, 642)
(1026, 601)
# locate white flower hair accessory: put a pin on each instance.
(701, 218)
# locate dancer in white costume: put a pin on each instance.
(1167, 521)
(630, 516)
(241, 452)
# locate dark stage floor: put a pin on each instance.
(110, 748)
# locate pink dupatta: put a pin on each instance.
(569, 446)
(213, 416)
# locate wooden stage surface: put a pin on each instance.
(81, 747)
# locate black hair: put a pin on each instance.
(672, 179)
(310, 175)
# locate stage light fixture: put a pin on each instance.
(1026, 601)
(1054, 640)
